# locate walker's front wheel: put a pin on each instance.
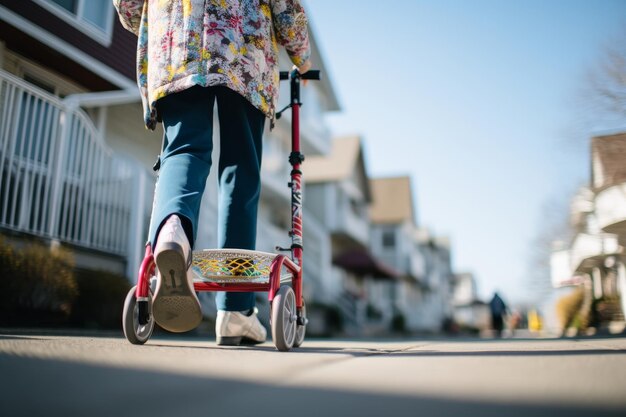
(137, 331)
(284, 318)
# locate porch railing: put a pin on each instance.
(57, 177)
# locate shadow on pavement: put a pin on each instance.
(434, 353)
(521, 353)
(15, 337)
(356, 352)
(404, 353)
(63, 388)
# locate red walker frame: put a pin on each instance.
(293, 264)
(146, 270)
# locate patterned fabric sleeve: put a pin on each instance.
(130, 13)
(290, 24)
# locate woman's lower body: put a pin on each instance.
(185, 163)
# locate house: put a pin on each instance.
(594, 257)
(393, 227)
(76, 160)
(338, 196)
(436, 305)
(423, 296)
(470, 313)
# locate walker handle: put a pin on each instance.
(309, 75)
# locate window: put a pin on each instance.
(69, 5)
(388, 239)
(356, 207)
(93, 17)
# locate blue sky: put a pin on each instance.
(476, 100)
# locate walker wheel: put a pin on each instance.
(135, 332)
(301, 329)
(284, 318)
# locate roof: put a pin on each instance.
(608, 154)
(392, 200)
(336, 166)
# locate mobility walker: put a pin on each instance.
(241, 270)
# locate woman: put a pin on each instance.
(190, 55)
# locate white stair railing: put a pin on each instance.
(57, 177)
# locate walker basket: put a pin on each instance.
(226, 266)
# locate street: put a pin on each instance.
(53, 375)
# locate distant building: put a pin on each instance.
(435, 310)
(393, 227)
(423, 296)
(338, 196)
(469, 311)
(594, 257)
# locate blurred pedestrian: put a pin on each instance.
(190, 55)
(498, 309)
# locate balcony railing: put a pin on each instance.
(587, 249)
(57, 177)
(344, 219)
(610, 208)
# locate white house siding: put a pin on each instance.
(315, 197)
(610, 206)
(126, 134)
(425, 303)
(351, 210)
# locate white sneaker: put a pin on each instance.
(234, 328)
(175, 307)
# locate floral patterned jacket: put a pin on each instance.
(233, 43)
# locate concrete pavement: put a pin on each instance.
(50, 375)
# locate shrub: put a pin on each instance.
(607, 309)
(331, 317)
(373, 313)
(37, 285)
(100, 299)
(569, 311)
(398, 323)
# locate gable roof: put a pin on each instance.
(392, 200)
(608, 154)
(337, 165)
(344, 161)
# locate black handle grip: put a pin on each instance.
(309, 75)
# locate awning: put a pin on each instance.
(362, 262)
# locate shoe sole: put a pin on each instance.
(236, 341)
(175, 307)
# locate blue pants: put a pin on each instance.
(186, 160)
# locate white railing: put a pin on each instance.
(610, 207)
(57, 177)
(589, 246)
